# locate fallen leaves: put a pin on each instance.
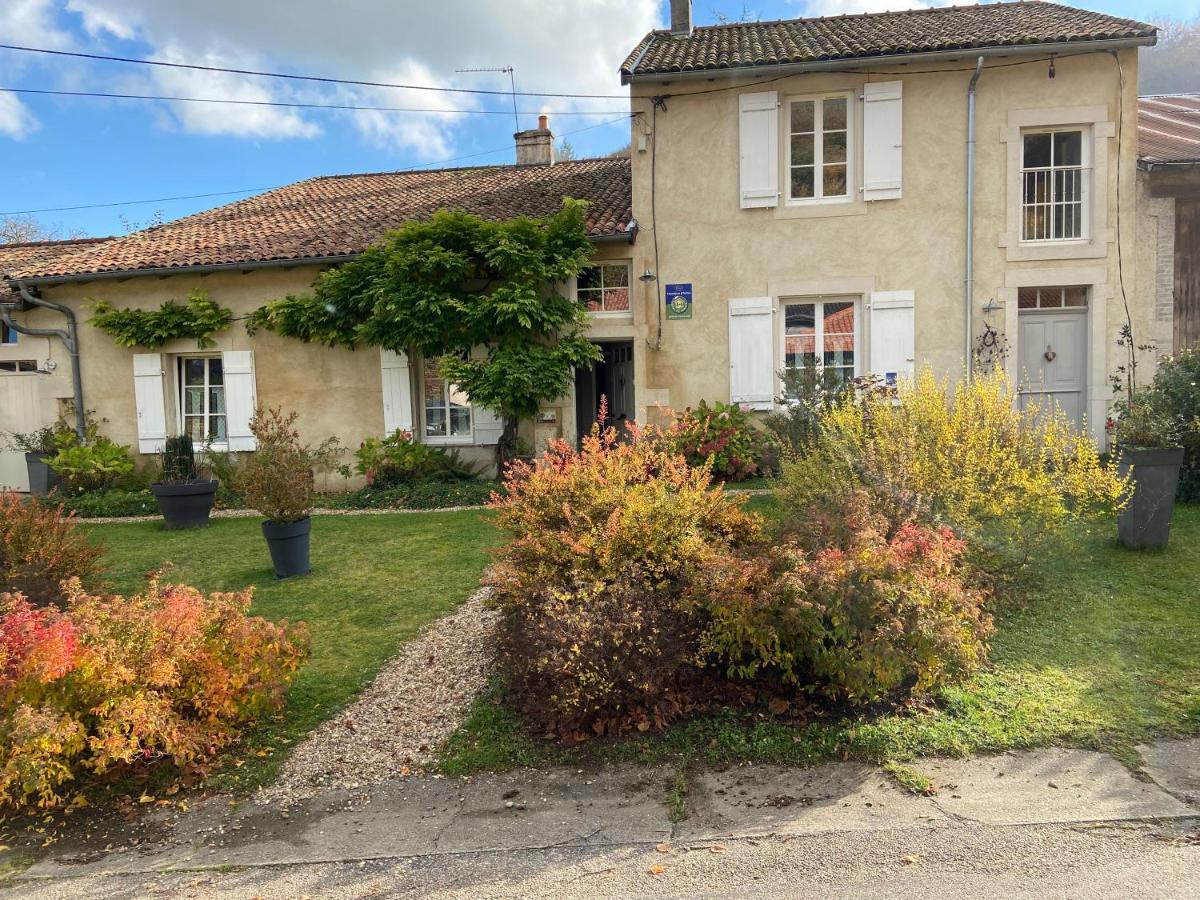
(656, 870)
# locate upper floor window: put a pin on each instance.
(1054, 185)
(447, 407)
(202, 398)
(819, 148)
(821, 334)
(7, 335)
(604, 288)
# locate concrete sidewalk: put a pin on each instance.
(528, 820)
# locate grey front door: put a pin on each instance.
(1052, 360)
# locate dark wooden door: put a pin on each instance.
(1187, 273)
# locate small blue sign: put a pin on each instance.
(679, 301)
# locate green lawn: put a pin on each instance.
(1104, 652)
(376, 581)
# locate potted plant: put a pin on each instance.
(184, 498)
(277, 480)
(1147, 442)
(38, 446)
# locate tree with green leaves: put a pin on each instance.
(453, 283)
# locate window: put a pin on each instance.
(819, 148)
(821, 334)
(604, 288)
(7, 335)
(1051, 298)
(447, 408)
(18, 365)
(1054, 186)
(202, 399)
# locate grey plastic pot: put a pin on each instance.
(42, 478)
(1146, 521)
(185, 505)
(288, 543)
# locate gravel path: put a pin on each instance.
(415, 703)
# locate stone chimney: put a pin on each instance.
(535, 147)
(681, 18)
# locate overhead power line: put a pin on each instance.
(296, 105)
(439, 162)
(317, 78)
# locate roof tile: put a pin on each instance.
(1169, 128)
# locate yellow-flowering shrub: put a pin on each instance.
(964, 456)
(616, 552)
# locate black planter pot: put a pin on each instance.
(42, 478)
(185, 505)
(1146, 521)
(288, 544)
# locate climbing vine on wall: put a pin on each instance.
(199, 318)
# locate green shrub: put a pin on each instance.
(397, 458)
(92, 466)
(178, 463)
(40, 548)
(428, 494)
(880, 619)
(1177, 389)
(807, 393)
(723, 436)
(603, 584)
(105, 504)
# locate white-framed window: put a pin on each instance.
(1055, 185)
(822, 333)
(604, 287)
(447, 409)
(819, 148)
(202, 411)
(1052, 297)
(8, 337)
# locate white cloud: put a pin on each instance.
(16, 120)
(561, 47)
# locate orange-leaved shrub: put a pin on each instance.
(882, 617)
(110, 685)
(40, 548)
(604, 584)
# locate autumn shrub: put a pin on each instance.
(883, 617)
(603, 585)
(1004, 479)
(277, 479)
(723, 436)
(40, 548)
(111, 685)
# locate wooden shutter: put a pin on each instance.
(751, 354)
(241, 398)
(883, 136)
(397, 391)
(758, 137)
(150, 401)
(486, 425)
(893, 340)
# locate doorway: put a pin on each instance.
(1052, 349)
(611, 378)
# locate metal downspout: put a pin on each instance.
(969, 281)
(69, 337)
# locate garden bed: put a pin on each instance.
(1101, 654)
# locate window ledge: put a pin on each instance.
(467, 441)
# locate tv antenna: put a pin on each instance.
(512, 80)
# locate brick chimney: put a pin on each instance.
(535, 147)
(681, 18)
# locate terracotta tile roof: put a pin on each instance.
(14, 257)
(342, 215)
(1169, 128)
(742, 45)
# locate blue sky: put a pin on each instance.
(71, 151)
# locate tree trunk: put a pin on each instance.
(506, 447)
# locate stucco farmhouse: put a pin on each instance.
(866, 193)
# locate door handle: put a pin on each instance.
(1049, 355)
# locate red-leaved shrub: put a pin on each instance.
(603, 586)
(112, 684)
(40, 548)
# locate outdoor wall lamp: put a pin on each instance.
(647, 276)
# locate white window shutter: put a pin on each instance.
(241, 398)
(883, 138)
(397, 391)
(758, 137)
(893, 341)
(150, 400)
(486, 425)
(751, 357)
